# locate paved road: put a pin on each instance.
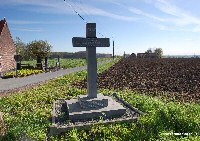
(12, 83)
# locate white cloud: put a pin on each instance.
(167, 8)
(45, 3)
(100, 12)
(181, 17)
(160, 26)
(174, 17)
(196, 29)
(53, 6)
(151, 16)
(24, 22)
(27, 29)
(171, 17)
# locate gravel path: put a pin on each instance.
(14, 83)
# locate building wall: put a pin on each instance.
(7, 49)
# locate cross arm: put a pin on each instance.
(90, 42)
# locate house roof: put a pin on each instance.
(2, 23)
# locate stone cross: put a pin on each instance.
(91, 42)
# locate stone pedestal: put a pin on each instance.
(86, 108)
(92, 103)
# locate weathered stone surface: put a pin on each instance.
(76, 113)
(91, 42)
(61, 124)
(57, 129)
(87, 102)
(2, 125)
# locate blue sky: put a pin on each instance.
(135, 25)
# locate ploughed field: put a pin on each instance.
(177, 78)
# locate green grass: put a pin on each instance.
(65, 63)
(29, 112)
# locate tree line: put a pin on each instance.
(32, 50)
(158, 51)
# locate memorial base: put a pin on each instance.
(84, 112)
(85, 108)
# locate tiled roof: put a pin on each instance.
(2, 23)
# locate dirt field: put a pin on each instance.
(178, 78)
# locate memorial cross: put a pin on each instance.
(91, 42)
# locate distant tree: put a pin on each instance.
(159, 52)
(58, 54)
(20, 47)
(39, 48)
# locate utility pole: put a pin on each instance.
(113, 50)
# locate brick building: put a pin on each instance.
(7, 48)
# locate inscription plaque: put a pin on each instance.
(90, 42)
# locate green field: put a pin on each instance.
(65, 63)
(29, 113)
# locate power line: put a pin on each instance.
(92, 18)
(88, 17)
(75, 11)
(78, 5)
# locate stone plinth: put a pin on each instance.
(87, 102)
(85, 108)
(62, 124)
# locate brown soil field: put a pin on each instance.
(177, 78)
